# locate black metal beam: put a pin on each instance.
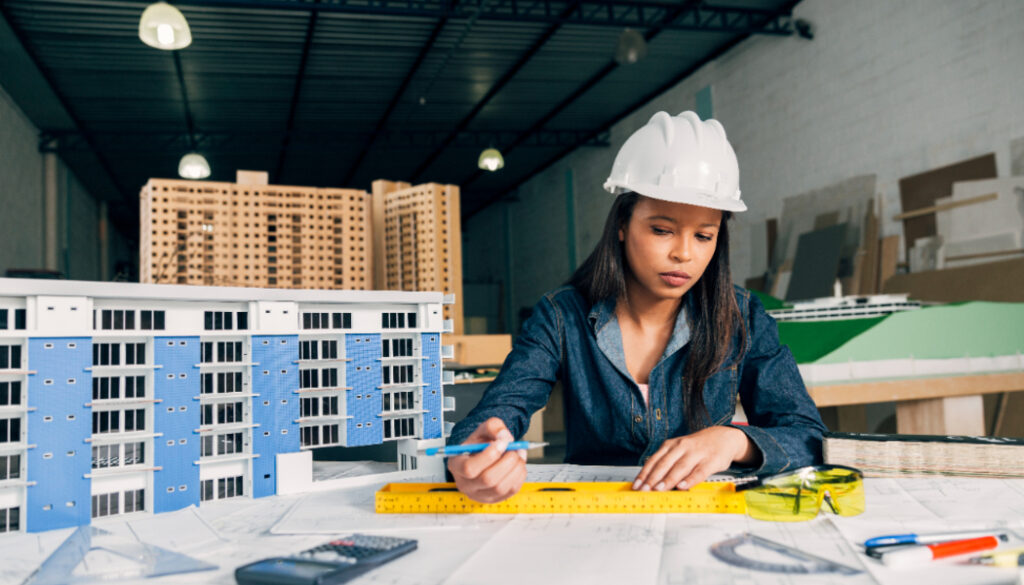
(605, 128)
(296, 92)
(575, 95)
(175, 142)
(493, 91)
(641, 14)
(409, 75)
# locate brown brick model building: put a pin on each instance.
(250, 233)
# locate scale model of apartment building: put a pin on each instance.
(121, 398)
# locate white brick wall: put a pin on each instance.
(886, 87)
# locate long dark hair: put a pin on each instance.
(714, 316)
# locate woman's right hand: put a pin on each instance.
(493, 474)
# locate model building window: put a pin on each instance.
(19, 318)
(330, 349)
(220, 352)
(106, 505)
(227, 413)
(106, 456)
(229, 487)
(329, 377)
(341, 320)
(218, 320)
(134, 501)
(397, 374)
(396, 347)
(10, 393)
(134, 453)
(152, 320)
(10, 519)
(393, 401)
(135, 387)
(106, 388)
(10, 430)
(220, 383)
(309, 350)
(134, 354)
(117, 319)
(317, 320)
(309, 378)
(106, 354)
(10, 357)
(10, 467)
(399, 427)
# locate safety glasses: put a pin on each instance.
(795, 496)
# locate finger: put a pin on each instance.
(510, 484)
(492, 477)
(698, 474)
(471, 466)
(681, 470)
(487, 431)
(645, 472)
(508, 476)
(655, 480)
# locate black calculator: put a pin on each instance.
(337, 561)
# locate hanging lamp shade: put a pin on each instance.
(490, 160)
(193, 166)
(163, 26)
(631, 47)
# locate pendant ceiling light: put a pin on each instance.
(631, 47)
(490, 160)
(163, 26)
(193, 166)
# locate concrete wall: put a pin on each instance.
(890, 88)
(22, 205)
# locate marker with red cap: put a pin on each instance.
(917, 555)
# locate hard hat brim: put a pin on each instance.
(677, 195)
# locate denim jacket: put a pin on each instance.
(607, 421)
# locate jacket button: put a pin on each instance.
(639, 418)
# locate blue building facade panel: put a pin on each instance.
(58, 426)
(363, 375)
(275, 379)
(433, 419)
(176, 416)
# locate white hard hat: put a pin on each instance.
(680, 159)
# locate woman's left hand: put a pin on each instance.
(683, 462)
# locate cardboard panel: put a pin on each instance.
(921, 190)
(995, 281)
(816, 264)
(846, 201)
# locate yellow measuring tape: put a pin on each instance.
(563, 498)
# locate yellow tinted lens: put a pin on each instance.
(846, 488)
(797, 497)
(782, 503)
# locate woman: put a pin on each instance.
(651, 341)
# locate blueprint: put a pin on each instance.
(653, 549)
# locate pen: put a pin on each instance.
(1001, 558)
(930, 538)
(477, 447)
(915, 555)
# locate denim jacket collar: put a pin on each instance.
(609, 336)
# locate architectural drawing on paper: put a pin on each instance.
(120, 398)
(253, 234)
